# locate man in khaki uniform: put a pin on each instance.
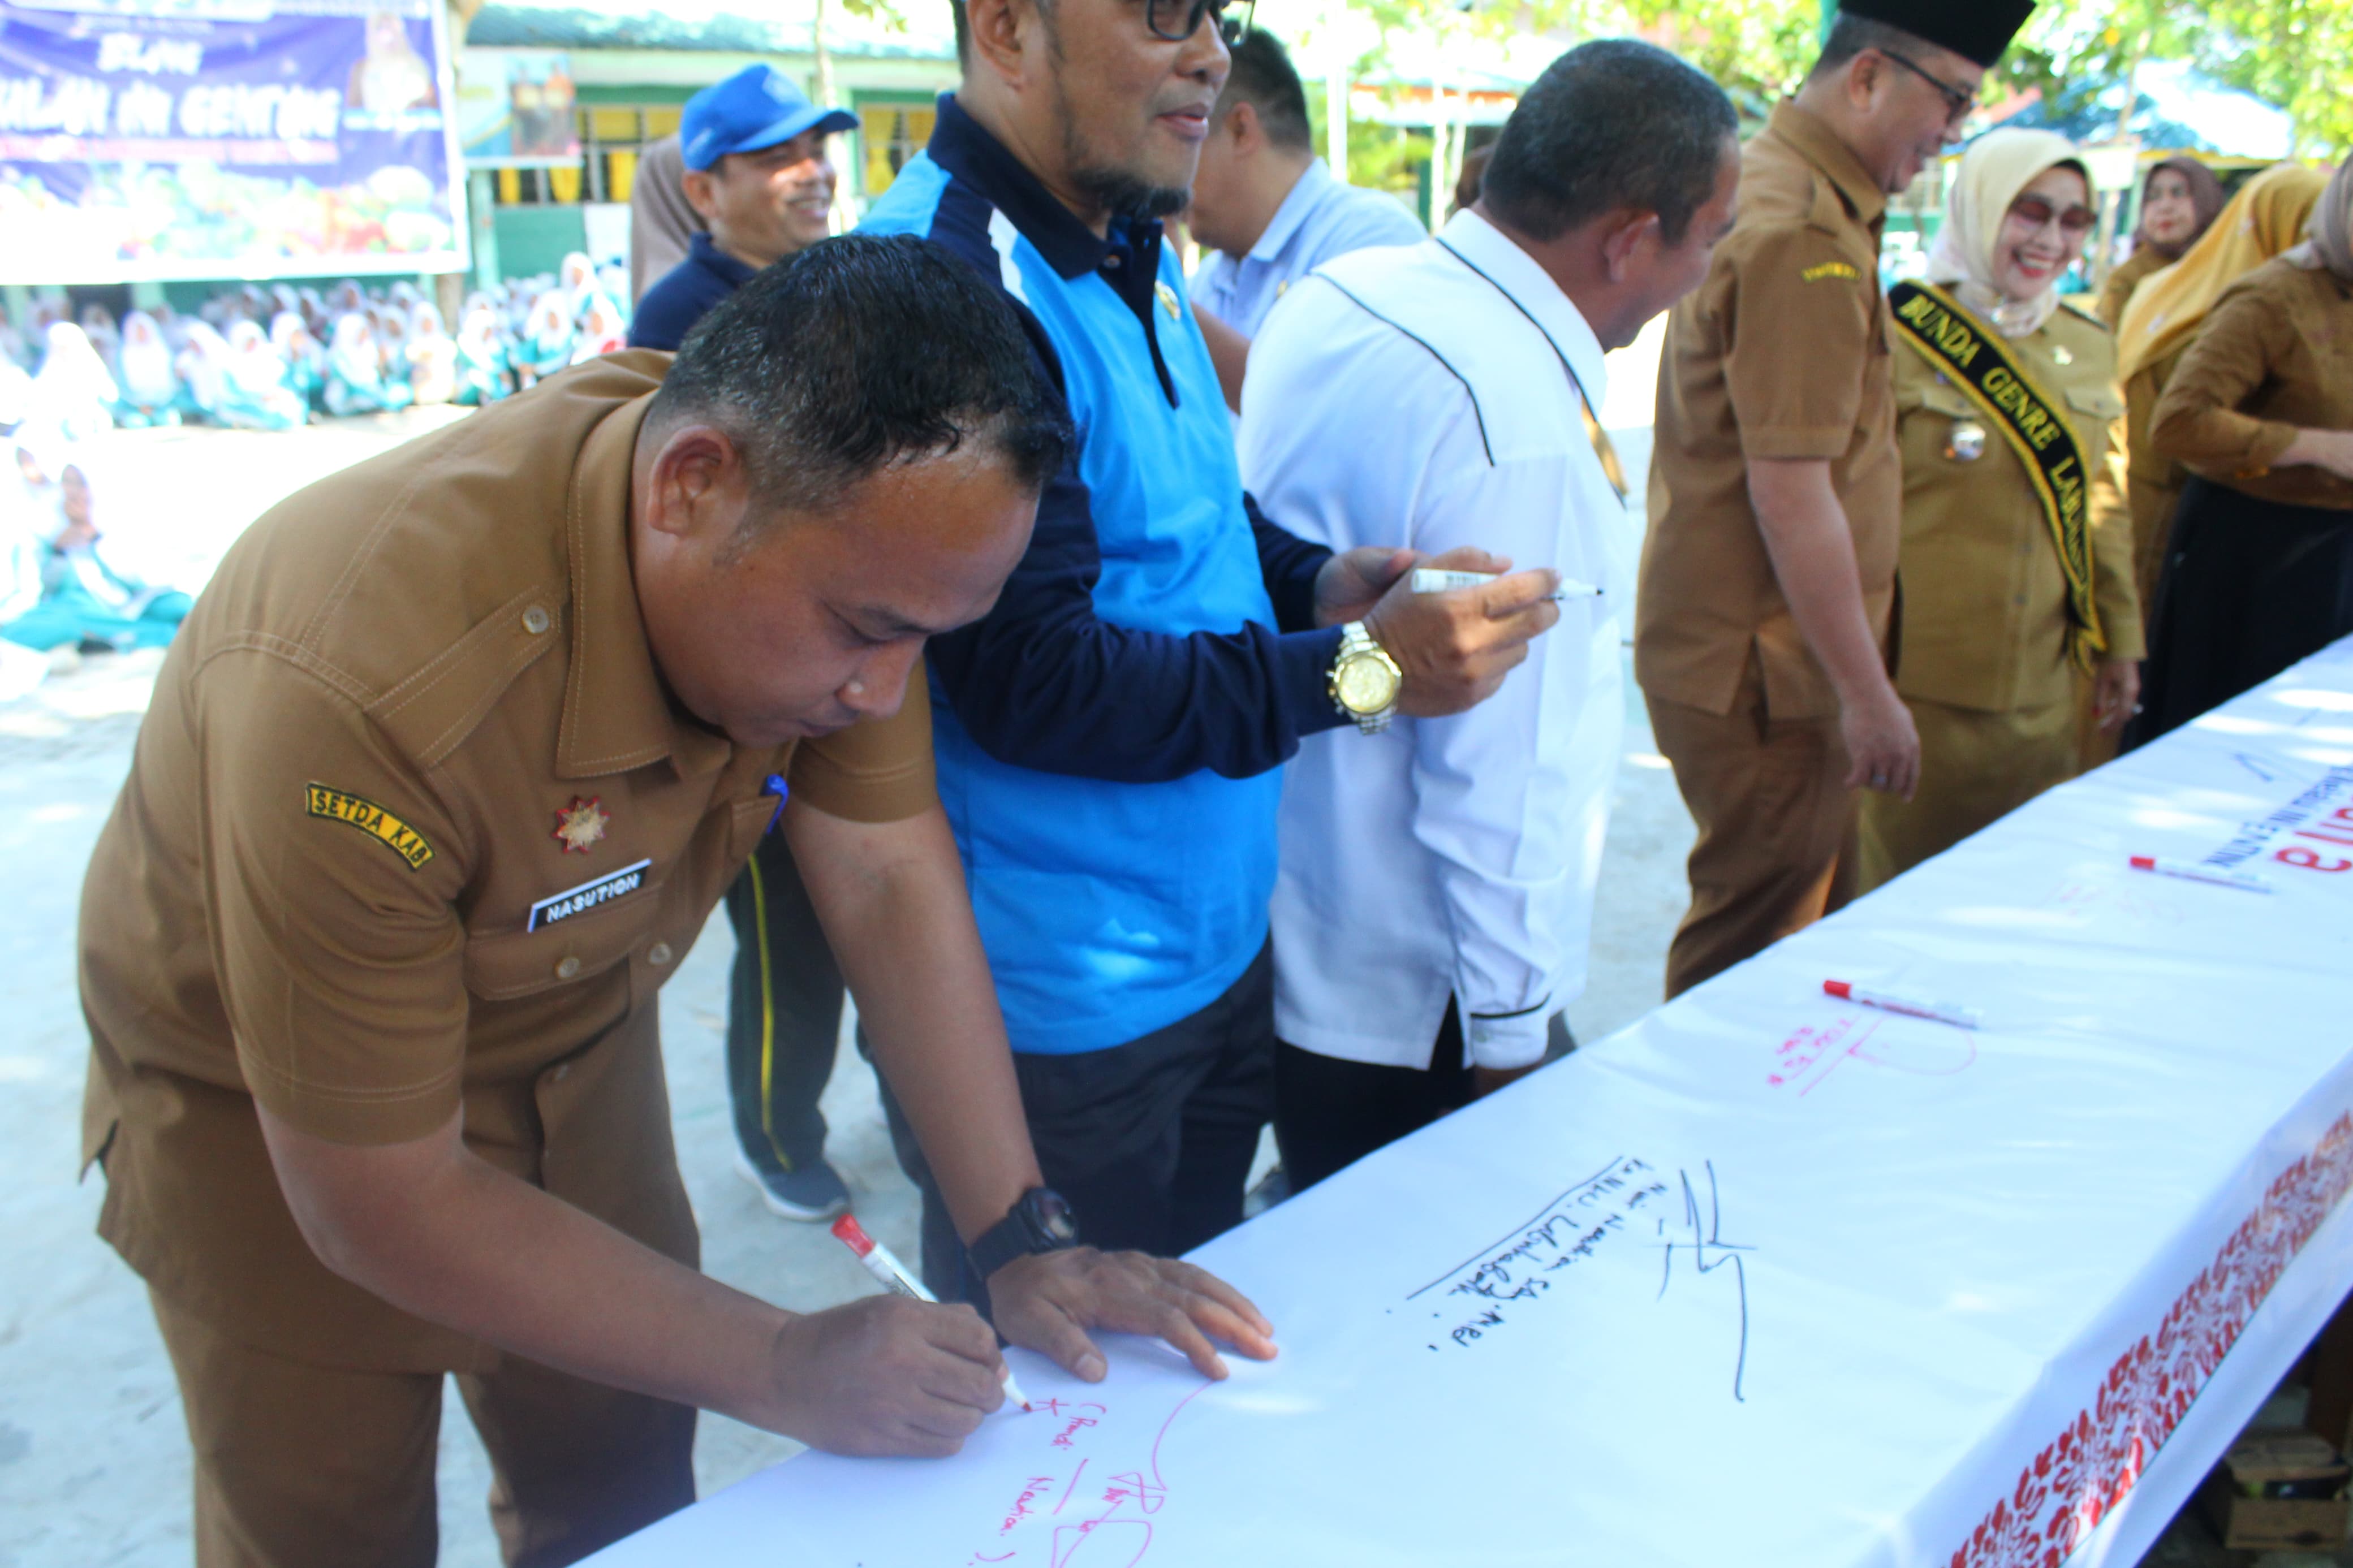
(1765, 610)
(439, 782)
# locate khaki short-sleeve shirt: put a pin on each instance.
(412, 826)
(1783, 352)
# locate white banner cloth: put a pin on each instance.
(1767, 1278)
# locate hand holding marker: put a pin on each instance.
(881, 1263)
(1433, 580)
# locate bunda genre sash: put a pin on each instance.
(1955, 342)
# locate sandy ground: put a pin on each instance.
(93, 1456)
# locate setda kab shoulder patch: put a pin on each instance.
(356, 811)
(1844, 271)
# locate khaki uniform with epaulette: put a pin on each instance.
(2002, 708)
(414, 829)
(1783, 352)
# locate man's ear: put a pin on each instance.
(999, 30)
(1241, 121)
(700, 195)
(699, 483)
(1624, 236)
(1866, 75)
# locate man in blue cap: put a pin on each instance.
(756, 171)
(754, 147)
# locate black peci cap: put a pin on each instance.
(1976, 30)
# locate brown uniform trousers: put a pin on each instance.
(2000, 709)
(413, 833)
(1782, 353)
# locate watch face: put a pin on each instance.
(1053, 1216)
(1365, 684)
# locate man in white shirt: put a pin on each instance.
(1435, 898)
(1269, 207)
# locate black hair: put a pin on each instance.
(861, 352)
(1263, 77)
(1851, 34)
(1616, 124)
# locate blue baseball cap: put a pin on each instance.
(757, 107)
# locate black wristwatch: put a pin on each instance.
(1041, 1222)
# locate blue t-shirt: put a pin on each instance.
(1108, 737)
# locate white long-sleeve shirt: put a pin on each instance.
(1428, 397)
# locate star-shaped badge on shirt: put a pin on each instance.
(580, 825)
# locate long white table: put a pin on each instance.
(1770, 1278)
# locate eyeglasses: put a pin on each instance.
(1177, 20)
(2035, 213)
(1958, 101)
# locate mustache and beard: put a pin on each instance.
(1121, 192)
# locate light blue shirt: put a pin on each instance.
(1321, 218)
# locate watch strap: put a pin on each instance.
(1017, 1235)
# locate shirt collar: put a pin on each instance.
(1818, 145)
(1492, 252)
(962, 146)
(616, 713)
(706, 250)
(1305, 195)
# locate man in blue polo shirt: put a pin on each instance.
(1108, 737)
(756, 172)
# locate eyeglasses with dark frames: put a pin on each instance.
(1958, 101)
(1177, 20)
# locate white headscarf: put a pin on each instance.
(1997, 167)
(146, 361)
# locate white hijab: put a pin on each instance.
(1997, 167)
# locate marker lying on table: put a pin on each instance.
(2189, 871)
(1911, 1007)
(1435, 580)
(884, 1265)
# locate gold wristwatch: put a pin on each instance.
(1365, 680)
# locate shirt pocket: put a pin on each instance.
(501, 965)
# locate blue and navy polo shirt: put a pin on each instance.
(685, 293)
(1108, 738)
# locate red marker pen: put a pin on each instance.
(884, 1265)
(1911, 1007)
(2190, 871)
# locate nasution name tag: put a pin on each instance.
(588, 896)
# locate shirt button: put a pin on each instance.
(535, 620)
(562, 1072)
(566, 967)
(658, 953)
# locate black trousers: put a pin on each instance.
(784, 1013)
(1330, 1114)
(1151, 1141)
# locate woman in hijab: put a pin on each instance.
(73, 390)
(602, 330)
(203, 367)
(306, 360)
(258, 392)
(2260, 410)
(546, 345)
(432, 355)
(2178, 203)
(482, 355)
(355, 383)
(87, 600)
(2164, 314)
(150, 392)
(2019, 612)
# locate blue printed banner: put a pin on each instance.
(162, 139)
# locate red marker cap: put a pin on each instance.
(854, 1234)
(2144, 862)
(1839, 988)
